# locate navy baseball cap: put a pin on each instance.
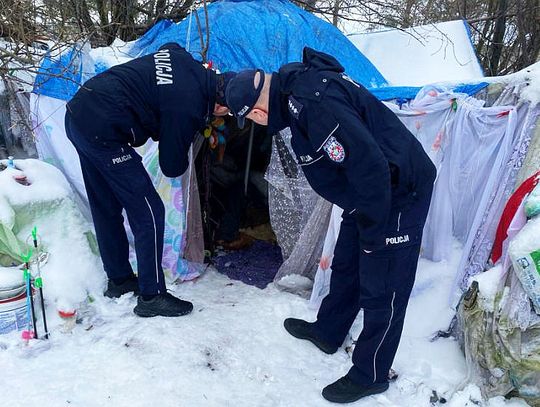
(242, 95)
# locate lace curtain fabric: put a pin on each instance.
(480, 239)
(299, 218)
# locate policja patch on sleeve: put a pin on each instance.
(334, 149)
(295, 107)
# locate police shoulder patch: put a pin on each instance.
(334, 149)
(295, 107)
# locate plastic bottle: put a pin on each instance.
(69, 317)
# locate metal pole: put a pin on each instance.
(248, 161)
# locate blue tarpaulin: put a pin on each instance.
(243, 34)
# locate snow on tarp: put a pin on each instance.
(243, 34)
(422, 55)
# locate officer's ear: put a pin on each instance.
(259, 116)
(220, 110)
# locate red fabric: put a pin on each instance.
(509, 212)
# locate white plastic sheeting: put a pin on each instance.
(478, 149)
(52, 145)
(422, 55)
(321, 284)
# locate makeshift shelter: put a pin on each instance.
(269, 34)
(277, 35)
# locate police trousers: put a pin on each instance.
(115, 179)
(380, 282)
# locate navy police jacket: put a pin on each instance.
(165, 96)
(354, 151)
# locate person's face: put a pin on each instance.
(259, 116)
(220, 110)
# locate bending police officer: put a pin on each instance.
(356, 154)
(166, 96)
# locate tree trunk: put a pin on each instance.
(102, 12)
(161, 5)
(407, 15)
(485, 31)
(498, 38)
(335, 12)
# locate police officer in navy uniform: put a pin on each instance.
(166, 96)
(356, 154)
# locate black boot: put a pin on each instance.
(165, 305)
(115, 290)
(345, 390)
(304, 330)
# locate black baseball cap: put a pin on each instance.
(242, 95)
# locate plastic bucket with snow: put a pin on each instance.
(13, 308)
(13, 313)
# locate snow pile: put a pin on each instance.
(422, 55)
(489, 284)
(72, 270)
(106, 57)
(47, 184)
(10, 278)
(232, 351)
(531, 76)
(528, 77)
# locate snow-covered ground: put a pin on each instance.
(232, 351)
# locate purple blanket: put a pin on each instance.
(257, 265)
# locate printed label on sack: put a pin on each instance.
(535, 256)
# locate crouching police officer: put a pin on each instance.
(166, 96)
(356, 154)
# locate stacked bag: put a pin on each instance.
(524, 249)
(499, 316)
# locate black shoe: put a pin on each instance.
(165, 305)
(131, 285)
(345, 390)
(304, 330)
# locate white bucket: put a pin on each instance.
(12, 292)
(12, 283)
(13, 314)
